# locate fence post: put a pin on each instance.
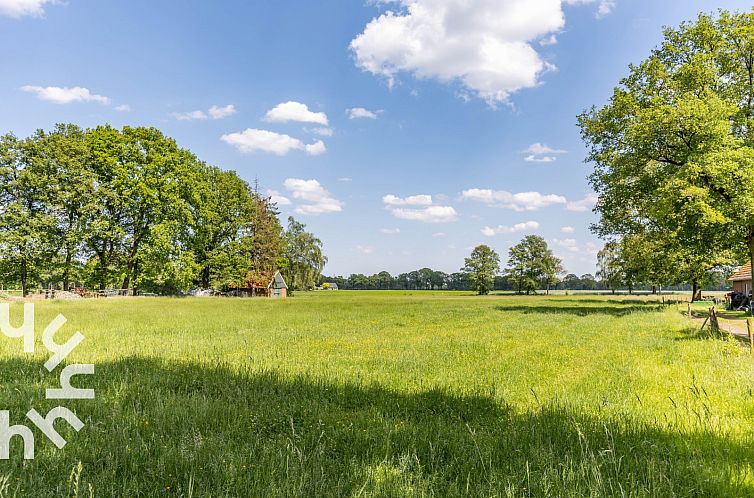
(689, 310)
(714, 325)
(751, 335)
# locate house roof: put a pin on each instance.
(743, 273)
(277, 282)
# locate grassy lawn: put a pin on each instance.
(388, 394)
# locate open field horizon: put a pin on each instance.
(40, 293)
(371, 393)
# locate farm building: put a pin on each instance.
(741, 280)
(332, 286)
(277, 286)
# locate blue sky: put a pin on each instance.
(402, 133)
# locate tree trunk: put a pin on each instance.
(696, 291)
(131, 265)
(136, 271)
(102, 272)
(205, 277)
(67, 267)
(24, 278)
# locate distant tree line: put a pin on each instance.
(459, 281)
(530, 267)
(422, 279)
(109, 208)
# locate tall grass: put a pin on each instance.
(389, 394)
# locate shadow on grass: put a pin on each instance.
(695, 333)
(581, 310)
(734, 315)
(614, 300)
(158, 428)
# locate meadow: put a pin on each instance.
(388, 394)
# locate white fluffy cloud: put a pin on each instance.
(573, 249)
(604, 7)
(65, 95)
(567, 229)
(253, 140)
(312, 196)
(20, 8)
(540, 159)
(190, 116)
(541, 153)
(315, 148)
(568, 244)
(585, 204)
(214, 112)
(540, 149)
(412, 200)
(430, 214)
(487, 46)
(518, 227)
(360, 112)
(322, 132)
(365, 249)
(295, 111)
(278, 198)
(390, 231)
(575, 253)
(521, 201)
(123, 108)
(550, 40)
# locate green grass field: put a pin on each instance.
(388, 394)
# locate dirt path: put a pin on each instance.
(735, 327)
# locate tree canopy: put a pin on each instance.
(532, 265)
(673, 149)
(130, 209)
(481, 267)
(303, 256)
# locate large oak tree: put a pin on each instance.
(673, 148)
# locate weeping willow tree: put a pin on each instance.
(303, 259)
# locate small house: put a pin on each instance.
(741, 280)
(277, 286)
(332, 286)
